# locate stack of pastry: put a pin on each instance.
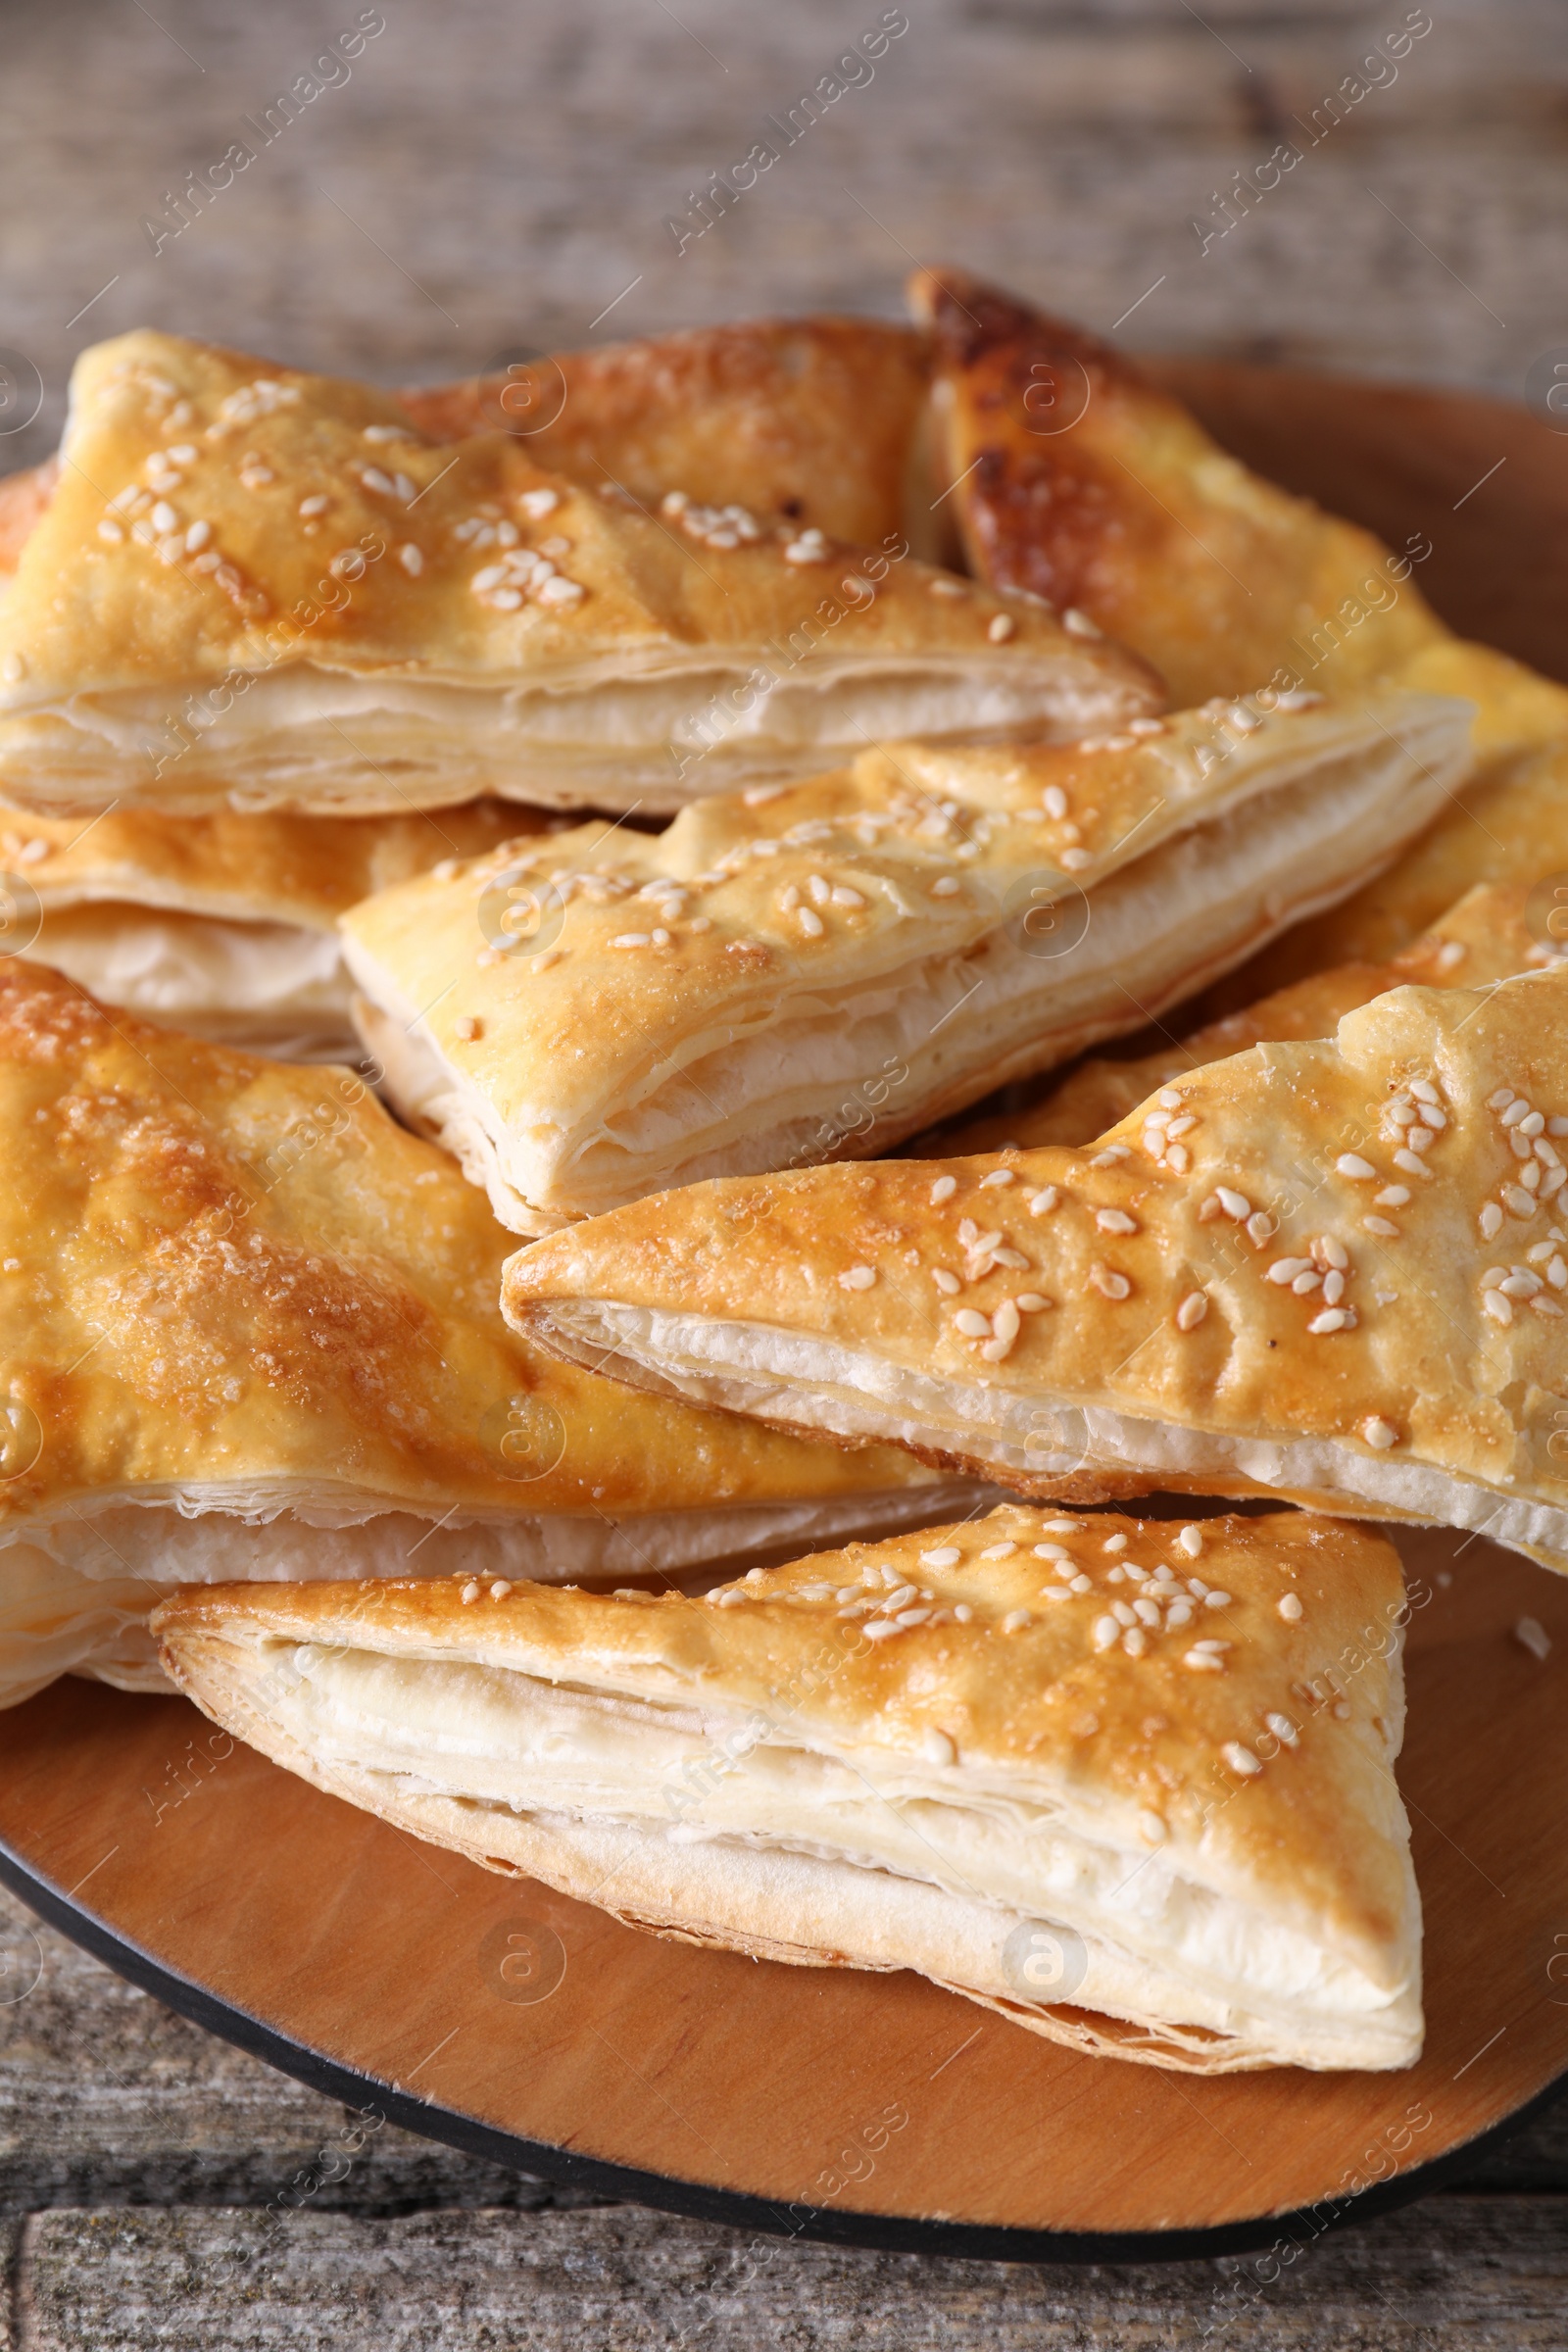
(689, 802)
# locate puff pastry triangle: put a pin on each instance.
(249, 1328)
(1027, 1757)
(1335, 1272)
(1077, 477)
(782, 978)
(252, 581)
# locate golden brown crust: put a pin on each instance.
(1024, 1704)
(223, 1273)
(24, 497)
(1082, 480)
(248, 866)
(1419, 1385)
(810, 906)
(1508, 826)
(388, 584)
(803, 420)
(1486, 936)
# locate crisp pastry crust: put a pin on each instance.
(820, 972)
(249, 1328)
(24, 497)
(1077, 477)
(1335, 1272)
(1508, 825)
(804, 422)
(1490, 934)
(1084, 1764)
(453, 619)
(224, 925)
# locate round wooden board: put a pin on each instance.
(824, 2102)
(877, 2109)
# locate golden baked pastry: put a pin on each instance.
(258, 583)
(249, 1328)
(1138, 1809)
(1333, 1272)
(223, 925)
(1489, 935)
(808, 421)
(1078, 479)
(789, 977)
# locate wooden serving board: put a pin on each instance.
(507, 2020)
(497, 2014)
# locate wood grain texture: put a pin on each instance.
(1463, 2273)
(496, 177)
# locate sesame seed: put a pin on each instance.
(1110, 1283)
(1491, 1220)
(1533, 1636)
(499, 1588)
(1500, 1308)
(938, 1748)
(470, 1592)
(948, 1284)
(1517, 1202)
(1078, 625)
(1054, 801)
(1382, 1227)
(1288, 1269)
(1334, 1318)
(971, 1323)
(1000, 627)
(1202, 1661)
(1074, 861)
(996, 1177)
(946, 886)
(412, 559)
(1042, 1202)
(111, 531)
(1105, 1633)
(1191, 1310)
(1350, 1164)
(632, 939)
(944, 1189)
(810, 922)
(1517, 1110)
(1190, 1542)
(1168, 1099)
(1031, 1303)
(1016, 1621)
(1216, 1601)
(857, 1278)
(1333, 1287)
(882, 1630)
(1114, 1543)
(1379, 1433)
(999, 1551)
(962, 1612)
(467, 1028)
(1394, 1196)
(1111, 1220)
(1135, 1641)
(1150, 1828)
(1411, 1163)
(1240, 1760)
(1290, 1608)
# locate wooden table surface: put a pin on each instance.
(486, 179)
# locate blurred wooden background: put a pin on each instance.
(484, 179)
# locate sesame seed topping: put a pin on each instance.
(998, 1551)
(1350, 1164)
(1042, 1203)
(1016, 1621)
(1111, 1221)
(1379, 1433)
(1191, 1310)
(996, 1177)
(1000, 627)
(938, 1748)
(1334, 1318)
(1534, 1636)
(1290, 1608)
(947, 1283)
(1078, 625)
(1105, 1633)
(1240, 1760)
(470, 1592)
(1110, 1283)
(1152, 1828)
(946, 886)
(857, 1278)
(1190, 1542)
(1202, 1661)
